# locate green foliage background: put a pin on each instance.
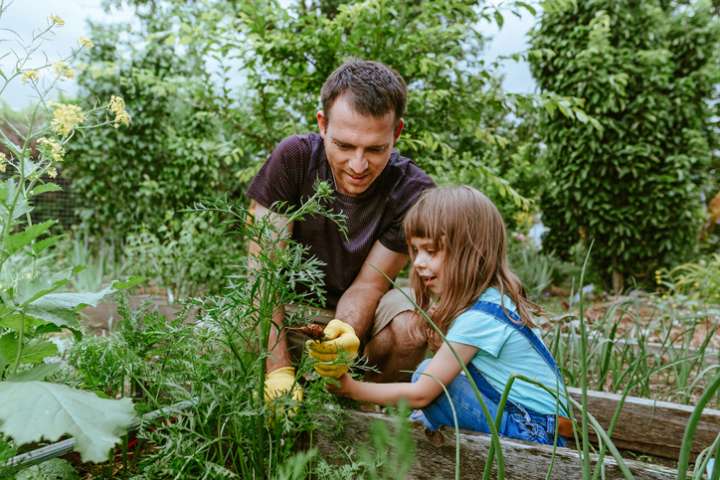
(616, 148)
(196, 133)
(174, 153)
(647, 72)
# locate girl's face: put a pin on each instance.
(428, 264)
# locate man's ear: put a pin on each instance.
(322, 123)
(398, 130)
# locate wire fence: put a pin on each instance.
(60, 206)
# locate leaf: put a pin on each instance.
(45, 291)
(62, 317)
(54, 301)
(530, 9)
(31, 353)
(53, 469)
(14, 321)
(44, 188)
(38, 372)
(29, 167)
(41, 245)
(18, 240)
(35, 411)
(499, 19)
(8, 190)
(131, 282)
(37, 352)
(580, 115)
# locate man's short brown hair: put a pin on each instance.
(375, 89)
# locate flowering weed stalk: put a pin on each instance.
(32, 302)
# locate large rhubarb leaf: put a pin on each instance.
(35, 411)
(53, 301)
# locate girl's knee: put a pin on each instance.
(420, 369)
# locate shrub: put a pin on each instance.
(630, 176)
(173, 154)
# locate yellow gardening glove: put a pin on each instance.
(282, 381)
(334, 355)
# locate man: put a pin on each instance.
(361, 119)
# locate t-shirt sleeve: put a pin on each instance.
(394, 236)
(479, 330)
(281, 176)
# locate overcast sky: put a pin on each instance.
(28, 16)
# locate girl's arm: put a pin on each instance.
(443, 368)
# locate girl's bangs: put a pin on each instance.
(423, 221)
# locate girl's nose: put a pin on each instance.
(420, 260)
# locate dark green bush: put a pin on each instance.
(633, 183)
(174, 152)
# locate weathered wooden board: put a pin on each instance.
(435, 458)
(648, 426)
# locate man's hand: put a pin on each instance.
(335, 355)
(280, 382)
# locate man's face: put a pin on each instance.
(357, 146)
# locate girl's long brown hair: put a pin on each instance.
(468, 227)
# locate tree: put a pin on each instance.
(176, 151)
(457, 115)
(647, 76)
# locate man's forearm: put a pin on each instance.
(357, 308)
(278, 354)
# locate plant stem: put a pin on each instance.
(686, 447)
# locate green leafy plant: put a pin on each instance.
(194, 259)
(95, 423)
(178, 149)
(632, 180)
(698, 280)
(219, 365)
(393, 452)
(34, 301)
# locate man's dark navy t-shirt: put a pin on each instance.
(289, 176)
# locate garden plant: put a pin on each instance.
(605, 175)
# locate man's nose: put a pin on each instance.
(358, 164)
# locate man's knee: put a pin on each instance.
(409, 330)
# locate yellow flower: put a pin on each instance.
(117, 107)
(66, 118)
(51, 149)
(55, 20)
(62, 69)
(524, 219)
(30, 75)
(3, 162)
(52, 172)
(85, 42)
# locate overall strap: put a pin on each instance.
(516, 322)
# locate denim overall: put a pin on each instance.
(517, 421)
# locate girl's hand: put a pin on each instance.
(341, 386)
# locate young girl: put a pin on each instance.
(460, 274)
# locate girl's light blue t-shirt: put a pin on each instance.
(503, 351)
